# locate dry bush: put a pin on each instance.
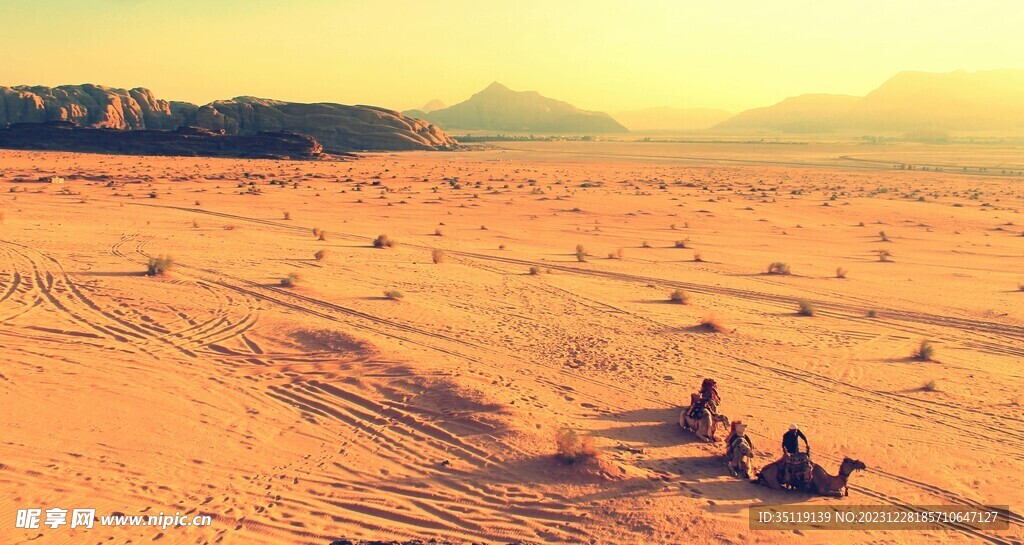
(679, 297)
(293, 279)
(437, 255)
(872, 313)
(438, 232)
(712, 324)
(883, 255)
(840, 272)
(198, 203)
(316, 231)
(384, 241)
(534, 270)
(195, 224)
(320, 255)
(617, 254)
(581, 256)
(925, 351)
(323, 235)
(580, 249)
(930, 386)
(1020, 285)
(287, 215)
(697, 258)
(682, 243)
(393, 295)
(779, 267)
(158, 266)
(805, 308)
(571, 448)
(645, 244)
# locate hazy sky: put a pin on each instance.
(605, 55)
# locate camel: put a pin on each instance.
(821, 482)
(738, 458)
(704, 425)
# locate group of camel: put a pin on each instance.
(739, 455)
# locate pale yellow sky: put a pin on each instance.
(604, 55)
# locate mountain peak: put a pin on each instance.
(496, 87)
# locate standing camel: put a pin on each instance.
(821, 482)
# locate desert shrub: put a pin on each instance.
(581, 256)
(287, 215)
(712, 324)
(930, 386)
(925, 351)
(645, 244)
(483, 227)
(323, 235)
(438, 232)
(437, 255)
(384, 241)
(393, 295)
(316, 231)
(872, 313)
(840, 272)
(697, 257)
(580, 249)
(195, 224)
(1020, 285)
(157, 266)
(501, 246)
(681, 243)
(679, 297)
(320, 254)
(198, 203)
(617, 254)
(805, 308)
(152, 194)
(534, 270)
(291, 280)
(883, 236)
(571, 448)
(779, 267)
(230, 227)
(883, 255)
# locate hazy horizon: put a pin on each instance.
(400, 55)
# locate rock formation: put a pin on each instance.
(338, 127)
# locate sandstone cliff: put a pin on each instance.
(338, 127)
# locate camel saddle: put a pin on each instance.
(797, 470)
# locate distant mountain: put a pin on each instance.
(433, 105)
(336, 126)
(908, 102)
(804, 113)
(666, 119)
(498, 108)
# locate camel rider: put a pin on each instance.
(796, 466)
(791, 443)
(737, 433)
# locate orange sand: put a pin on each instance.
(299, 415)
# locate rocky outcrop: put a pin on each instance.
(338, 127)
(187, 141)
(498, 108)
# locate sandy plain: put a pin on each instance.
(323, 410)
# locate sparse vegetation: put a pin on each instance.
(925, 351)
(322, 236)
(316, 231)
(291, 280)
(679, 297)
(712, 325)
(697, 257)
(438, 232)
(534, 271)
(872, 313)
(393, 295)
(195, 224)
(930, 386)
(779, 267)
(645, 244)
(320, 254)
(617, 254)
(840, 272)
(682, 243)
(158, 266)
(581, 256)
(884, 255)
(437, 255)
(384, 241)
(805, 308)
(287, 215)
(572, 448)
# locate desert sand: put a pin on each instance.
(323, 410)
